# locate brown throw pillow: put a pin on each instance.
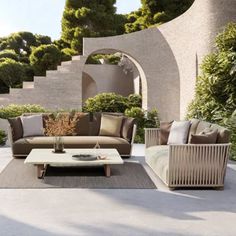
(127, 128)
(164, 131)
(110, 125)
(207, 136)
(16, 127)
(82, 125)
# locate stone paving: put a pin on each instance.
(118, 212)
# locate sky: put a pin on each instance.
(42, 16)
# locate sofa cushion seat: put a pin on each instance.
(157, 158)
(23, 146)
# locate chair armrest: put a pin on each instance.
(152, 137)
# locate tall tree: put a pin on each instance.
(90, 18)
(155, 12)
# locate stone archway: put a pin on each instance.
(139, 69)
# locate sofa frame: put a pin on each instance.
(193, 165)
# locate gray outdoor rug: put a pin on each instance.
(130, 175)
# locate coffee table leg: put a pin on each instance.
(40, 171)
(107, 170)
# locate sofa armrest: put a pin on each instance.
(198, 164)
(10, 137)
(133, 134)
(152, 137)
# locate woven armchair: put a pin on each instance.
(187, 165)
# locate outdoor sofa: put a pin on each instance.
(188, 165)
(88, 133)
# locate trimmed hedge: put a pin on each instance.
(17, 110)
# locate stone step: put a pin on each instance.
(65, 63)
(28, 85)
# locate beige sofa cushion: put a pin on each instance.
(157, 157)
(223, 134)
(110, 125)
(193, 128)
(23, 146)
(201, 126)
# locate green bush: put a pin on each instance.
(144, 119)
(17, 110)
(215, 98)
(130, 106)
(231, 125)
(3, 137)
(111, 102)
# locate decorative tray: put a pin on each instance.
(85, 157)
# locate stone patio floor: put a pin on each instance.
(118, 212)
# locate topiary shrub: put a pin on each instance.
(215, 98)
(45, 57)
(12, 73)
(17, 110)
(3, 138)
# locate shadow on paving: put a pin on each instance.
(181, 204)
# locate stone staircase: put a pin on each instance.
(61, 88)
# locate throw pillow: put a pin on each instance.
(164, 131)
(127, 128)
(110, 125)
(207, 136)
(16, 127)
(179, 132)
(82, 124)
(32, 125)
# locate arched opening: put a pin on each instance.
(133, 79)
(89, 87)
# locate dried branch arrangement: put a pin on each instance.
(61, 124)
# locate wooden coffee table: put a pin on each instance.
(41, 158)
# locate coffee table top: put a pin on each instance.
(46, 156)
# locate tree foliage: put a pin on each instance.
(216, 87)
(89, 19)
(155, 12)
(215, 98)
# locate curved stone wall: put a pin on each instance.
(170, 54)
(167, 58)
